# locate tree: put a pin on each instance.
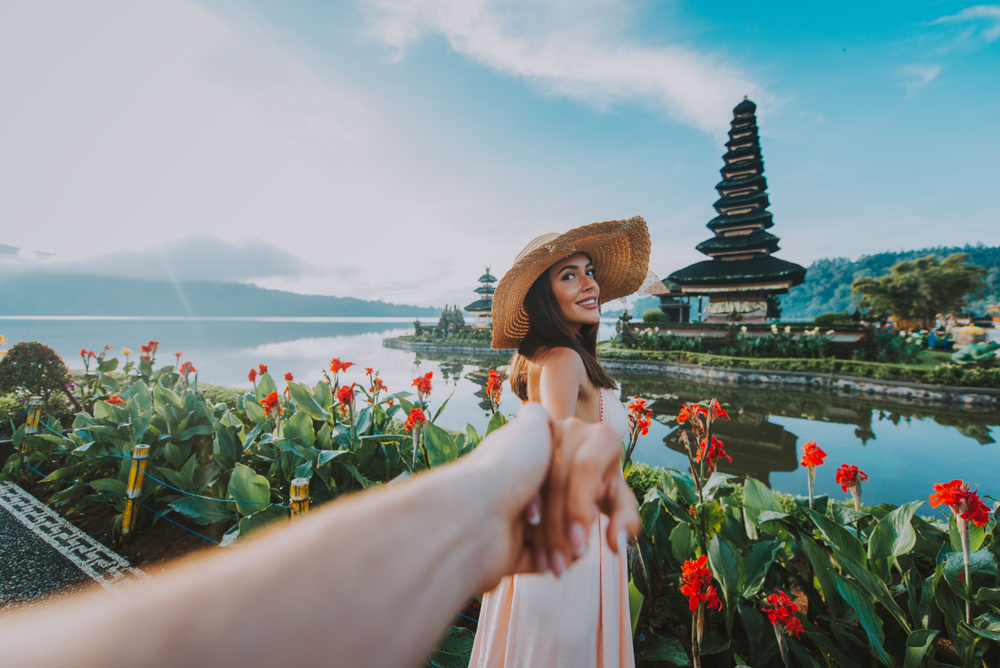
(918, 290)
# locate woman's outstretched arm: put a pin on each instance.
(371, 580)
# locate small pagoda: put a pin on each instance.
(743, 278)
(482, 308)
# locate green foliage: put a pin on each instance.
(32, 368)
(642, 477)
(832, 319)
(11, 412)
(827, 287)
(653, 315)
(919, 289)
(217, 394)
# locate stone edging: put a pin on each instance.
(444, 348)
(799, 381)
(104, 566)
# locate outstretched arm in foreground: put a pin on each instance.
(371, 580)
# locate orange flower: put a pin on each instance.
(289, 377)
(812, 454)
(690, 411)
(963, 503)
(849, 476)
(640, 416)
(494, 387)
(261, 369)
(114, 399)
(423, 383)
(345, 395)
(369, 371)
(696, 584)
(782, 613)
(716, 411)
(252, 376)
(150, 347)
(83, 353)
(187, 368)
(416, 418)
(715, 453)
(270, 404)
(178, 355)
(337, 366)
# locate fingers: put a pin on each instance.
(596, 461)
(554, 500)
(619, 504)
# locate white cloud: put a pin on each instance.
(988, 15)
(918, 76)
(579, 50)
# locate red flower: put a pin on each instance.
(369, 371)
(187, 368)
(640, 416)
(715, 453)
(252, 376)
(963, 503)
(345, 394)
(261, 369)
(849, 476)
(108, 347)
(689, 411)
(288, 377)
(812, 454)
(416, 417)
(83, 352)
(782, 612)
(150, 347)
(90, 353)
(494, 387)
(178, 355)
(696, 584)
(270, 403)
(716, 411)
(337, 366)
(423, 383)
(114, 399)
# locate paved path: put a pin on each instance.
(43, 556)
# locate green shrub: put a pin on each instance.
(217, 394)
(832, 319)
(642, 478)
(33, 369)
(11, 411)
(653, 315)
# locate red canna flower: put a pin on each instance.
(261, 369)
(696, 584)
(963, 503)
(252, 376)
(369, 371)
(178, 355)
(812, 454)
(288, 377)
(494, 387)
(416, 418)
(714, 454)
(108, 347)
(716, 411)
(90, 353)
(423, 384)
(337, 366)
(849, 477)
(114, 399)
(187, 368)
(640, 415)
(345, 394)
(83, 352)
(689, 412)
(271, 404)
(782, 613)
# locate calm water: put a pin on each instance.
(904, 451)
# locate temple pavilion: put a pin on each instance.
(482, 308)
(743, 278)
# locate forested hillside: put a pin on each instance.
(828, 282)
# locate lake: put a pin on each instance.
(903, 450)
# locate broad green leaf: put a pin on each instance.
(299, 427)
(758, 560)
(675, 508)
(255, 412)
(329, 455)
(713, 483)
(203, 511)
(875, 589)
(982, 572)
(635, 599)
(844, 515)
(441, 408)
(892, 536)
(250, 491)
(164, 397)
(262, 518)
(824, 572)
(986, 595)
(683, 485)
(178, 479)
(363, 421)
(140, 393)
(383, 438)
(712, 516)
(454, 650)
(977, 535)
(713, 643)
(472, 435)
(67, 472)
(108, 365)
(683, 543)
(840, 538)
(110, 485)
(497, 421)
(304, 470)
(323, 396)
(265, 386)
(306, 402)
(867, 616)
(110, 383)
(757, 498)
(198, 429)
(760, 634)
(665, 649)
(729, 569)
(441, 449)
(917, 645)
(102, 411)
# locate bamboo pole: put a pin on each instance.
(136, 475)
(300, 498)
(34, 415)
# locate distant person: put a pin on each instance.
(548, 307)
(371, 580)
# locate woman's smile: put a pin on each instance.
(576, 290)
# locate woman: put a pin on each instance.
(548, 307)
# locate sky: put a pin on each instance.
(389, 149)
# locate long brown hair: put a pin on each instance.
(548, 328)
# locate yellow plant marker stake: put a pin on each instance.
(300, 497)
(135, 478)
(34, 416)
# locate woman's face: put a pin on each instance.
(575, 289)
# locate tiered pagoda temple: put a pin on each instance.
(482, 308)
(743, 278)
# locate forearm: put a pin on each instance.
(368, 581)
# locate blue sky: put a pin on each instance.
(389, 148)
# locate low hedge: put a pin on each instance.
(945, 374)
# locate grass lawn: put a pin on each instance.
(932, 358)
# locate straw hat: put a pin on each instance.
(619, 250)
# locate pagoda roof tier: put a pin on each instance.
(763, 273)
(754, 241)
(745, 122)
(744, 108)
(485, 289)
(487, 278)
(754, 183)
(480, 306)
(744, 204)
(753, 167)
(746, 137)
(743, 155)
(757, 218)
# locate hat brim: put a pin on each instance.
(619, 250)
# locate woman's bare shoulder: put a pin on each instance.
(564, 360)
